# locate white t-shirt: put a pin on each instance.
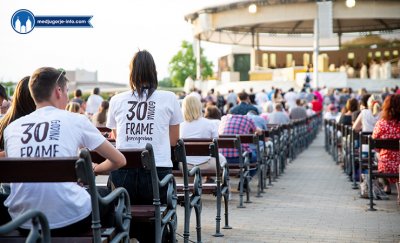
(93, 103)
(291, 98)
(200, 128)
(139, 122)
(368, 120)
(50, 132)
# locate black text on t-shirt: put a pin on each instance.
(142, 129)
(41, 133)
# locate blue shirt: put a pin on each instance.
(242, 109)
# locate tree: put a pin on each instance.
(165, 82)
(183, 65)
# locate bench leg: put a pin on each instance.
(247, 179)
(186, 233)
(353, 164)
(197, 209)
(241, 185)
(226, 204)
(218, 217)
(370, 193)
(260, 186)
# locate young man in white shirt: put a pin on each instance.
(51, 131)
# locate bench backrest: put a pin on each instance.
(133, 158)
(37, 169)
(71, 169)
(390, 144)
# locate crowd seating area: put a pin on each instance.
(346, 147)
(279, 146)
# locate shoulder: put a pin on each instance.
(164, 93)
(122, 95)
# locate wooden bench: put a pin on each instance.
(390, 144)
(71, 169)
(220, 188)
(163, 215)
(246, 166)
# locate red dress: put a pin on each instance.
(389, 160)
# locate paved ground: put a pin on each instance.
(312, 202)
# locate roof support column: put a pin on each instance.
(252, 53)
(198, 58)
(316, 52)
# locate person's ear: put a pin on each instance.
(58, 92)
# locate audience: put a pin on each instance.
(389, 127)
(93, 102)
(298, 111)
(99, 118)
(67, 205)
(22, 105)
(73, 107)
(244, 105)
(278, 116)
(139, 116)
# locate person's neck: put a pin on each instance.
(44, 104)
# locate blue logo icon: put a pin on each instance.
(23, 21)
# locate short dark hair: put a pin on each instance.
(212, 112)
(96, 91)
(364, 100)
(44, 80)
(243, 96)
(78, 93)
(143, 73)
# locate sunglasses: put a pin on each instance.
(62, 71)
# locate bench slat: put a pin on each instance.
(62, 170)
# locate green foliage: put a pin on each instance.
(10, 87)
(166, 82)
(183, 65)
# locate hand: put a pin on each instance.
(94, 165)
(258, 131)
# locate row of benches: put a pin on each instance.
(345, 145)
(286, 142)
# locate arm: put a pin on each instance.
(113, 134)
(173, 134)
(358, 123)
(115, 159)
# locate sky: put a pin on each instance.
(120, 28)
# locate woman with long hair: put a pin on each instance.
(347, 112)
(22, 105)
(99, 119)
(388, 127)
(139, 116)
(367, 118)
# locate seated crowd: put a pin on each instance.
(42, 122)
(375, 114)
